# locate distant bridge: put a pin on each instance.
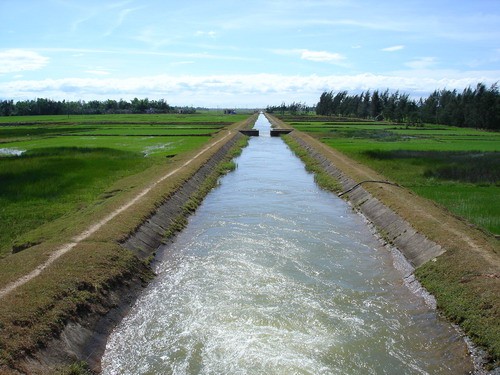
(274, 132)
(250, 132)
(278, 132)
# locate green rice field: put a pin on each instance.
(55, 166)
(457, 167)
(199, 118)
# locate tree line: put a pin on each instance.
(293, 108)
(42, 106)
(478, 108)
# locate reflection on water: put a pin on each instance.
(275, 276)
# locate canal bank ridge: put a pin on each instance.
(84, 337)
(408, 244)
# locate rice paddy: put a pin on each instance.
(55, 166)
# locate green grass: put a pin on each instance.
(159, 146)
(322, 178)
(209, 116)
(8, 133)
(67, 166)
(175, 130)
(467, 294)
(457, 167)
(45, 184)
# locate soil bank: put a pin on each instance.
(83, 337)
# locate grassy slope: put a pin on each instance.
(466, 279)
(79, 281)
(458, 168)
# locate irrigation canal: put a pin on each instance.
(275, 276)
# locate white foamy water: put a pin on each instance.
(274, 276)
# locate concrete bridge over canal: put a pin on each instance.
(274, 132)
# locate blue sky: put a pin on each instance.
(243, 53)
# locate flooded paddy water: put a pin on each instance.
(276, 276)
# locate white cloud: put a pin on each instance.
(322, 56)
(210, 34)
(422, 63)
(18, 60)
(79, 52)
(253, 90)
(393, 48)
(318, 56)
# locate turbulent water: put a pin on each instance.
(275, 276)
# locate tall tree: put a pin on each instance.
(376, 106)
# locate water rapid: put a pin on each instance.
(275, 276)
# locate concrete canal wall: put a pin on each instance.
(84, 339)
(416, 248)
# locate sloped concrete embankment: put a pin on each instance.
(416, 248)
(85, 339)
(151, 234)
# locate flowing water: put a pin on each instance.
(275, 276)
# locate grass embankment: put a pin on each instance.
(435, 162)
(458, 168)
(81, 280)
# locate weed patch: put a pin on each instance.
(465, 292)
(466, 166)
(323, 179)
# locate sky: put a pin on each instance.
(232, 53)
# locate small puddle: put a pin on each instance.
(11, 152)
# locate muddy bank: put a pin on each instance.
(84, 337)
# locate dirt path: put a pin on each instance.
(95, 227)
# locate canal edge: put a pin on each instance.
(81, 342)
(399, 236)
